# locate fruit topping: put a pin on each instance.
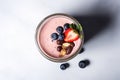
(65, 45)
(69, 50)
(54, 36)
(59, 48)
(71, 35)
(61, 37)
(65, 37)
(62, 53)
(76, 27)
(59, 29)
(72, 44)
(66, 26)
(60, 42)
(68, 47)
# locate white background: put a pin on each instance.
(20, 58)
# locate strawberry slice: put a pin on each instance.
(71, 35)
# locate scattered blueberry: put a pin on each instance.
(54, 36)
(82, 50)
(64, 66)
(66, 26)
(83, 63)
(61, 37)
(59, 29)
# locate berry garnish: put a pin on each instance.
(69, 50)
(65, 45)
(83, 63)
(62, 53)
(71, 35)
(72, 44)
(60, 42)
(76, 27)
(68, 47)
(64, 66)
(66, 26)
(59, 48)
(61, 37)
(59, 29)
(54, 36)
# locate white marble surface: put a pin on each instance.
(19, 55)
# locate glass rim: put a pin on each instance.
(43, 53)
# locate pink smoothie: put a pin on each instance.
(49, 26)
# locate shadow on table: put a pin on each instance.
(95, 22)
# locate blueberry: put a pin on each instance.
(64, 66)
(66, 26)
(82, 50)
(61, 37)
(84, 63)
(59, 29)
(54, 36)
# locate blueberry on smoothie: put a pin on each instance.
(61, 37)
(54, 36)
(66, 26)
(59, 29)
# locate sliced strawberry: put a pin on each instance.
(71, 35)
